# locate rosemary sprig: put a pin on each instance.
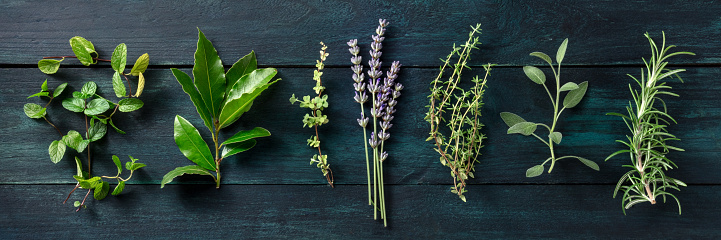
(647, 120)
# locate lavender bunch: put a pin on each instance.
(383, 93)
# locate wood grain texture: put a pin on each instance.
(287, 32)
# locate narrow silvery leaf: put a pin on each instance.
(235, 148)
(130, 104)
(191, 169)
(59, 89)
(195, 97)
(191, 144)
(88, 89)
(116, 160)
(209, 75)
(49, 66)
(568, 86)
(234, 109)
(141, 85)
(118, 85)
(588, 163)
(56, 151)
(242, 67)
(74, 104)
(511, 119)
(97, 131)
(33, 110)
(561, 51)
(542, 56)
(535, 74)
(535, 171)
(525, 128)
(119, 58)
(97, 106)
(83, 50)
(575, 96)
(119, 188)
(245, 135)
(556, 137)
(140, 65)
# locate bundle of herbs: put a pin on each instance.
(647, 120)
(459, 149)
(94, 109)
(383, 94)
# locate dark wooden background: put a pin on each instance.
(271, 191)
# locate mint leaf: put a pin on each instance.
(136, 166)
(83, 50)
(97, 131)
(130, 104)
(97, 106)
(59, 89)
(44, 86)
(116, 160)
(40, 94)
(118, 85)
(33, 110)
(49, 66)
(56, 151)
(141, 85)
(88, 89)
(119, 58)
(74, 104)
(116, 128)
(119, 188)
(101, 190)
(140, 65)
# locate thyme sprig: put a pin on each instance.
(647, 120)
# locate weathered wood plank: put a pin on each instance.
(287, 33)
(283, 158)
(416, 212)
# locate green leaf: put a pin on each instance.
(556, 137)
(140, 65)
(130, 104)
(88, 89)
(242, 67)
(33, 110)
(119, 188)
(116, 128)
(588, 163)
(97, 106)
(74, 104)
(191, 169)
(235, 108)
(75, 141)
(40, 94)
(574, 96)
(77, 204)
(119, 58)
(235, 148)
(511, 119)
(535, 74)
(97, 131)
(56, 151)
(79, 166)
(249, 134)
(101, 190)
(59, 89)
(525, 128)
(535, 171)
(136, 166)
(569, 86)
(209, 75)
(118, 85)
(250, 82)
(44, 86)
(141, 85)
(116, 160)
(83, 50)
(191, 144)
(561, 51)
(49, 66)
(542, 56)
(195, 97)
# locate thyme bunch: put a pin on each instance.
(574, 96)
(647, 120)
(459, 151)
(316, 117)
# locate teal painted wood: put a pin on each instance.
(283, 158)
(287, 32)
(300, 211)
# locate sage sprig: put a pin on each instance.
(460, 149)
(220, 98)
(94, 108)
(574, 96)
(647, 120)
(316, 117)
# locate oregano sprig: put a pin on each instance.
(574, 96)
(459, 150)
(647, 120)
(316, 117)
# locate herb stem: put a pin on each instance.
(51, 124)
(83, 203)
(71, 192)
(365, 143)
(130, 88)
(98, 59)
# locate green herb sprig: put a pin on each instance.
(316, 117)
(220, 98)
(94, 108)
(574, 96)
(459, 151)
(647, 120)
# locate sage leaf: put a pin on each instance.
(235, 148)
(101, 190)
(140, 65)
(83, 50)
(249, 134)
(209, 75)
(511, 119)
(141, 85)
(119, 58)
(97, 106)
(575, 96)
(56, 151)
(242, 67)
(88, 89)
(542, 56)
(568, 86)
(556, 137)
(561, 51)
(191, 144)
(588, 163)
(33, 110)
(119, 188)
(118, 85)
(59, 90)
(130, 104)
(116, 128)
(49, 66)
(535, 171)
(525, 128)
(195, 97)
(116, 160)
(191, 169)
(535, 74)
(74, 104)
(97, 131)
(235, 108)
